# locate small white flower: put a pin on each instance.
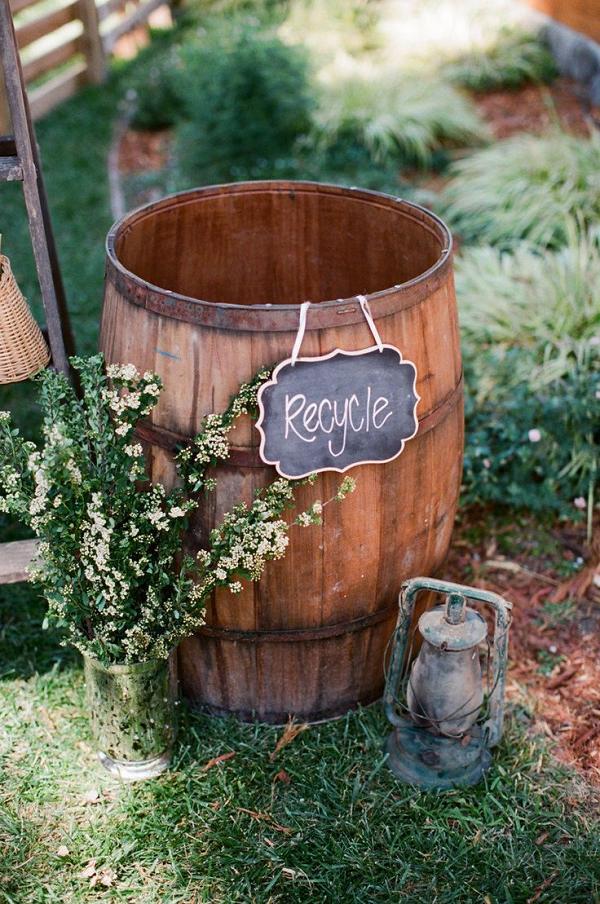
(122, 372)
(580, 502)
(487, 463)
(176, 512)
(134, 450)
(534, 435)
(73, 470)
(122, 429)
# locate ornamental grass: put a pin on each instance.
(545, 305)
(531, 342)
(396, 115)
(525, 188)
(513, 59)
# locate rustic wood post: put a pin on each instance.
(22, 163)
(92, 40)
(5, 128)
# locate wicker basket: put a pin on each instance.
(23, 351)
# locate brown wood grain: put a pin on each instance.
(205, 288)
(46, 23)
(50, 59)
(15, 560)
(57, 89)
(40, 228)
(580, 15)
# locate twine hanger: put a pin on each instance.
(364, 306)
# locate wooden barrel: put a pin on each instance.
(205, 287)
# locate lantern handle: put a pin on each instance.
(502, 618)
(399, 639)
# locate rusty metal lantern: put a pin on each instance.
(447, 703)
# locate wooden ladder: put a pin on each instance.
(20, 162)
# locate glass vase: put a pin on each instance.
(132, 711)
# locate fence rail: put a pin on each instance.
(65, 45)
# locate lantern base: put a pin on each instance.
(429, 761)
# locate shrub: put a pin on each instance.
(504, 464)
(531, 330)
(525, 188)
(157, 103)
(537, 450)
(395, 115)
(246, 101)
(515, 58)
(265, 10)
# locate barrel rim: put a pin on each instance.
(230, 315)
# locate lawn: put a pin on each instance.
(323, 819)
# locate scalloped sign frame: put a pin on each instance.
(335, 412)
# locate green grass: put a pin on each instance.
(342, 829)
(525, 188)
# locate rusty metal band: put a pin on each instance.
(296, 635)
(278, 317)
(249, 458)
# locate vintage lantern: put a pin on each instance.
(447, 704)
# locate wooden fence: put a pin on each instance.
(580, 15)
(64, 45)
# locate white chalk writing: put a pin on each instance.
(306, 419)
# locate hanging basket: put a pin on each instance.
(23, 351)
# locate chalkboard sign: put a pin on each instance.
(337, 411)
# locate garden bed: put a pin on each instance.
(537, 109)
(239, 817)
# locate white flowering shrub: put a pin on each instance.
(110, 563)
(108, 538)
(249, 536)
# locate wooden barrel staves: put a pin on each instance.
(205, 287)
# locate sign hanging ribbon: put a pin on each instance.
(336, 411)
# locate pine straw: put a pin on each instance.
(554, 649)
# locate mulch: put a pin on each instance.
(554, 668)
(536, 109)
(143, 152)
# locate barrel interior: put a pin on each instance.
(277, 245)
